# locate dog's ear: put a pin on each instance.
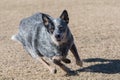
(64, 16)
(45, 19)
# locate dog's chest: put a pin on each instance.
(49, 50)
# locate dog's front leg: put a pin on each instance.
(46, 64)
(75, 53)
(57, 61)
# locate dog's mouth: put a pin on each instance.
(59, 38)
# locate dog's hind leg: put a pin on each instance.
(51, 69)
(75, 53)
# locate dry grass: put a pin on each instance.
(95, 25)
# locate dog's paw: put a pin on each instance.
(79, 63)
(66, 61)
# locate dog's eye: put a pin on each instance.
(61, 28)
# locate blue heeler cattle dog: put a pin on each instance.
(44, 36)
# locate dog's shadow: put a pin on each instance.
(105, 66)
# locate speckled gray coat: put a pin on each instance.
(37, 41)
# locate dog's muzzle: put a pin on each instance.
(58, 37)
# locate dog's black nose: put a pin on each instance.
(57, 36)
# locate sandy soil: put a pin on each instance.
(95, 25)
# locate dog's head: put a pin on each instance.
(57, 27)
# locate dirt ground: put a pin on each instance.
(95, 25)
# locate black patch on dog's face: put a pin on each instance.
(62, 26)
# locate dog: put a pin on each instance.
(44, 36)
